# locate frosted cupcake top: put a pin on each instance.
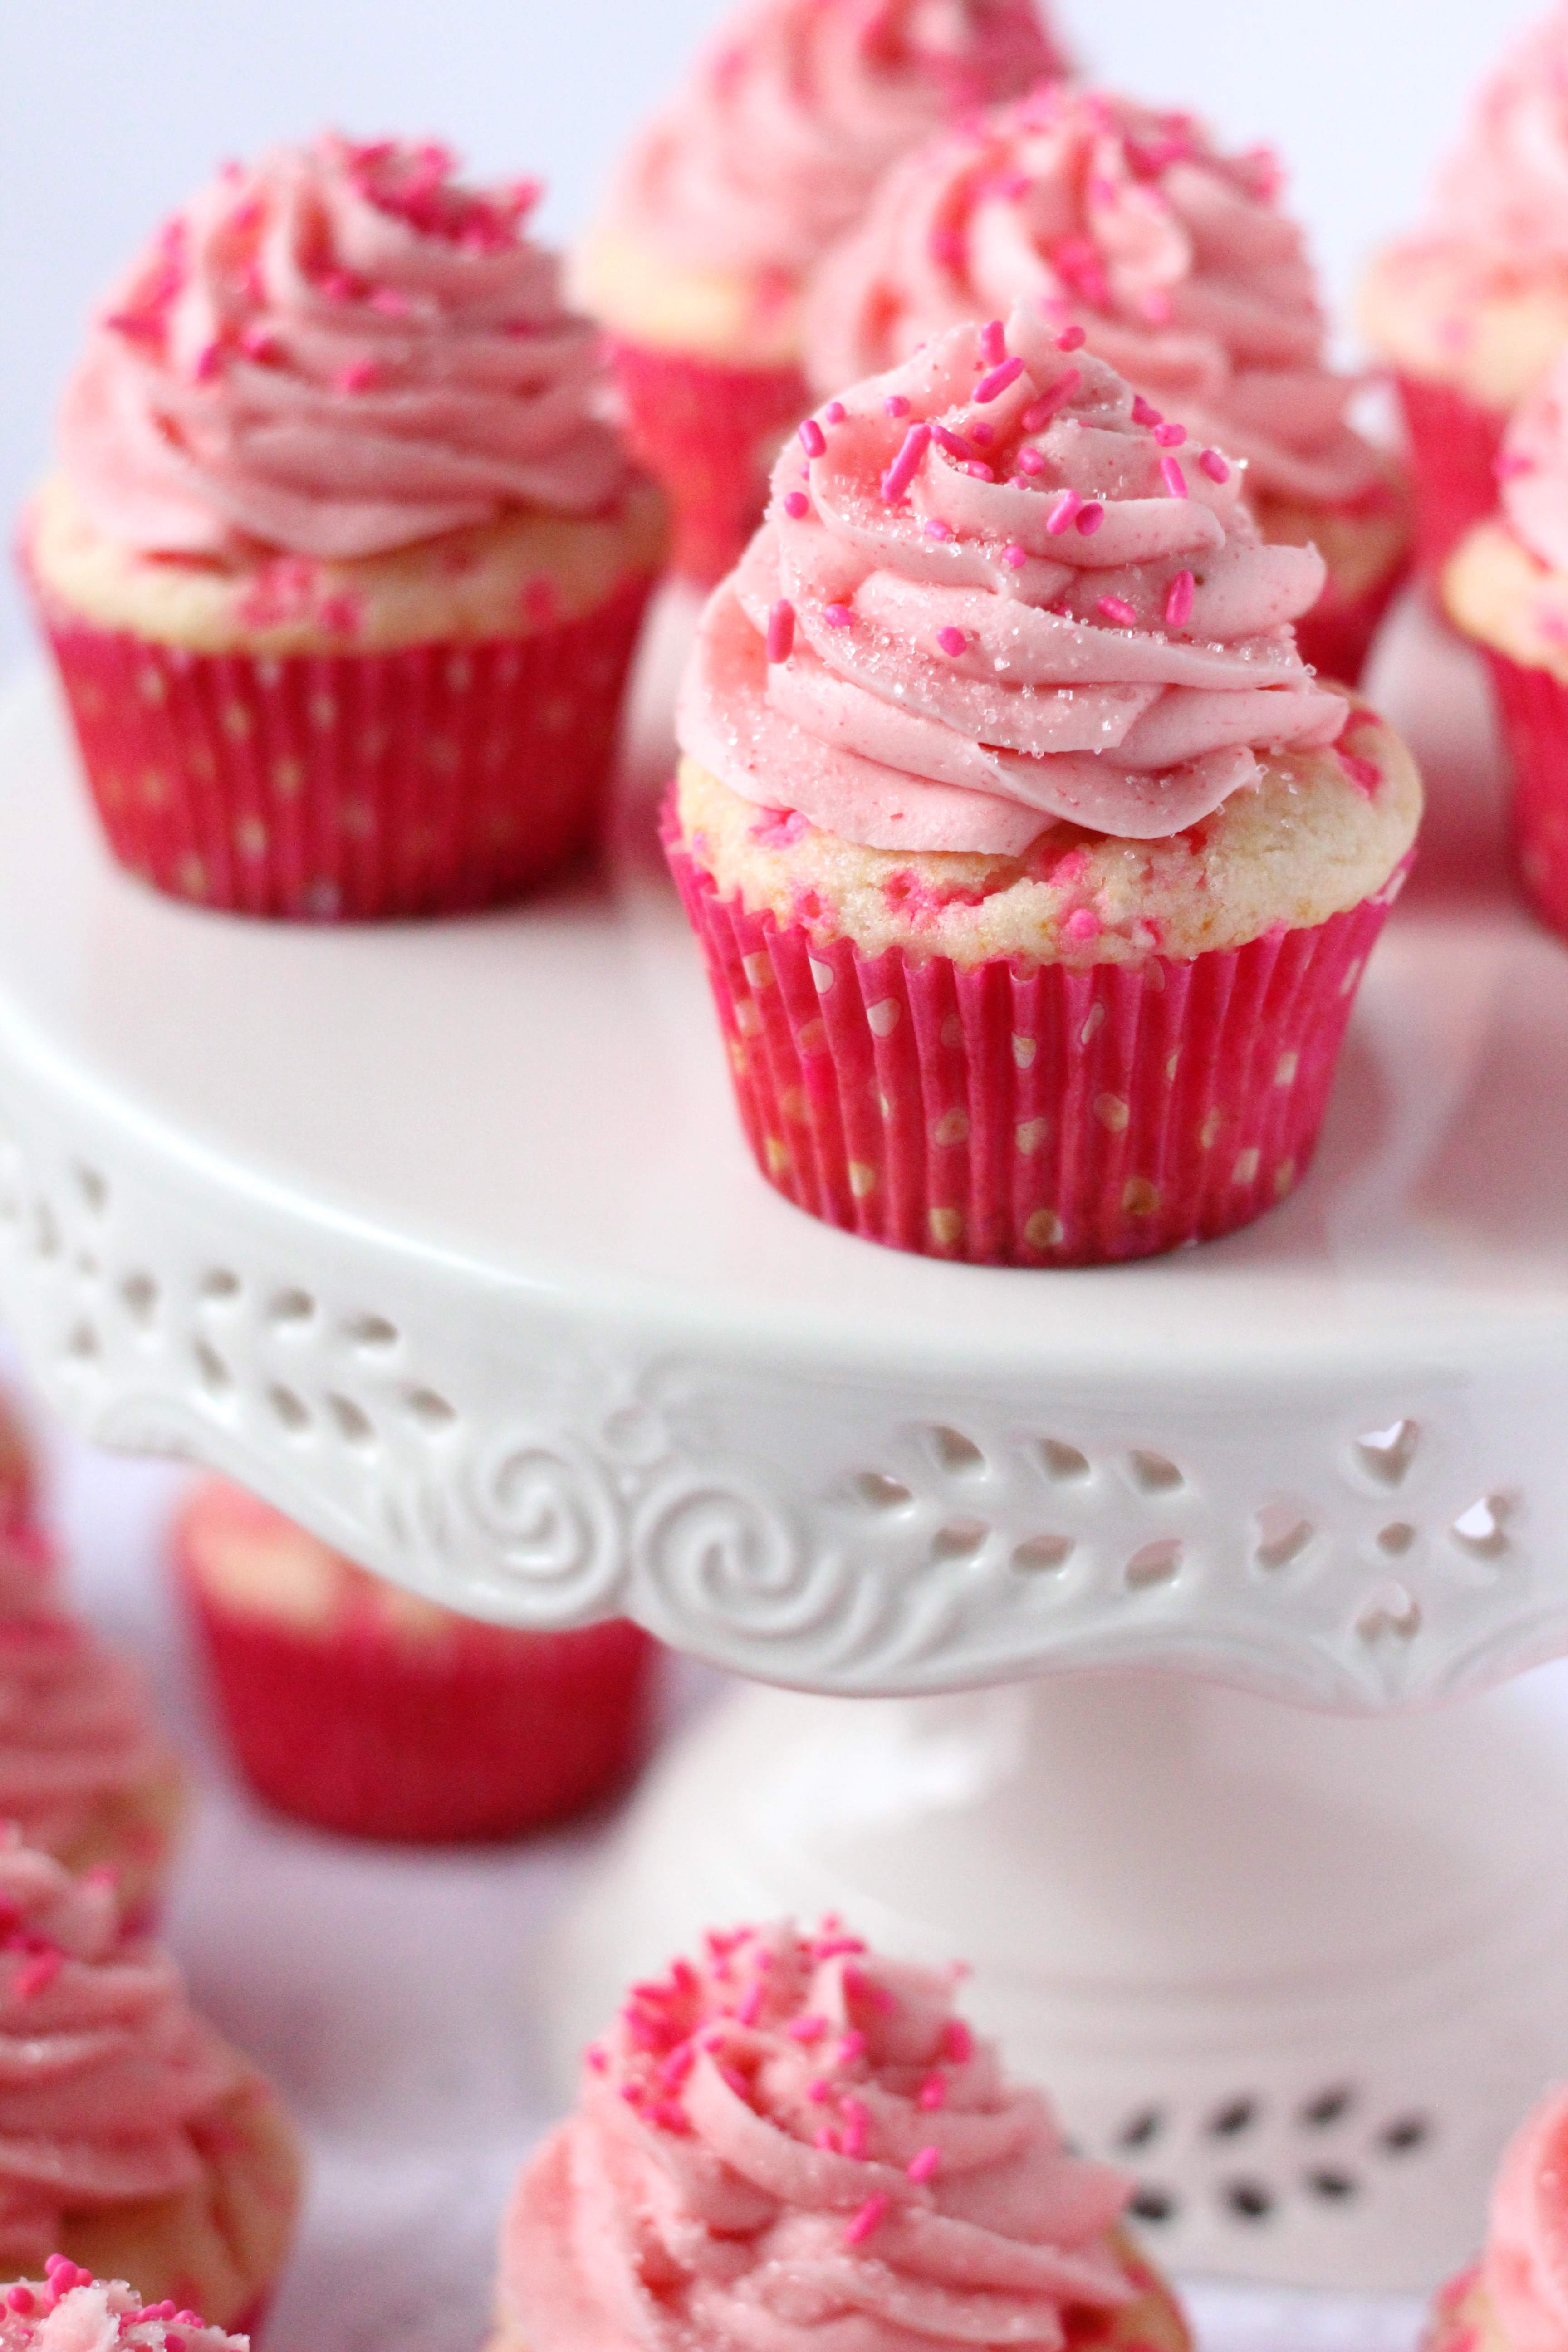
(1505, 190)
(1524, 2273)
(1173, 256)
(790, 2141)
(103, 2066)
(335, 351)
(68, 2310)
(74, 1721)
(994, 590)
(791, 114)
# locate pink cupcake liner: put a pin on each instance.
(1454, 446)
(1534, 710)
(483, 1735)
(1012, 1113)
(1336, 636)
(709, 434)
(354, 786)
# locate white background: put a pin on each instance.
(113, 110)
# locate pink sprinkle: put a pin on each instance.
(1365, 775)
(827, 2138)
(957, 2041)
(354, 378)
(1171, 474)
(994, 342)
(1071, 339)
(1511, 464)
(851, 2047)
(597, 2058)
(1030, 462)
(796, 504)
(813, 439)
(952, 641)
(1170, 436)
(677, 2066)
(998, 380)
(751, 2008)
(866, 2221)
(981, 473)
(1179, 601)
(806, 2029)
(1063, 512)
(896, 404)
(836, 412)
(856, 2128)
(1039, 413)
(903, 470)
(923, 2165)
(1014, 557)
(672, 2118)
(936, 529)
(981, 435)
(953, 443)
(1083, 923)
(838, 616)
(1089, 516)
(1214, 466)
(1117, 609)
(780, 631)
(816, 2091)
(1143, 412)
(207, 364)
(632, 2093)
(21, 2298)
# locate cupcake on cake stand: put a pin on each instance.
(1122, 1597)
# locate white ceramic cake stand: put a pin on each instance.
(444, 1239)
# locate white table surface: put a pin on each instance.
(391, 1994)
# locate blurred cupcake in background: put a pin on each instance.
(361, 1708)
(1471, 311)
(734, 192)
(1179, 266)
(86, 1774)
(133, 2141)
(1506, 587)
(1034, 870)
(342, 569)
(1515, 2299)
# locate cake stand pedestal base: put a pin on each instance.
(1301, 1975)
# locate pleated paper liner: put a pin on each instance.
(351, 786)
(1013, 1113)
(710, 435)
(1534, 709)
(477, 1733)
(1454, 446)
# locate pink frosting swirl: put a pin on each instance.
(337, 351)
(70, 2311)
(1532, 470)
(103, 2066)
(790, 116)
(1525, 2273)
(75, 1723)
(994, 599)
(794, 2142)
(1506, 188)
(1174, 258)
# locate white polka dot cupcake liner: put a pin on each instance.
(354, 786)
(1013, 1113)
(1533, 707)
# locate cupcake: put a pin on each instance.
(1179, 266)
(342, 569)
(1515, 2299)
(1506, 585)
(732, 194)
(1034, 871)
(86, 1775)
(68, 2310)
(793, 2141)
(18, 1471)
(361, 1708)
(133, 2140)
(1471, 311)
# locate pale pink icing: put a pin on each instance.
(1174, 258)
(75, 1722)
(1532, 470)
(336, 352)
(70, 2311)
(1525, 2269)
(1039, 705)
(1505, 187)
(777, 142)
(103, 2066)
(796, 2143)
